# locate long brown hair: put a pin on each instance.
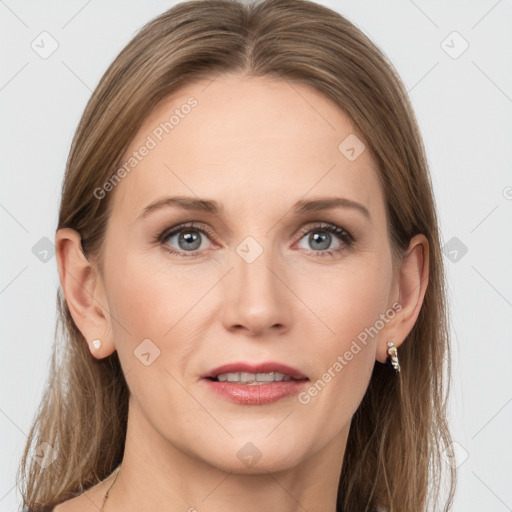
(393, 457)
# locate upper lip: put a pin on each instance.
(265, 367)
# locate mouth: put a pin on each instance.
(255, 384)
(251, 379)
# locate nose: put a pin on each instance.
(258, 301)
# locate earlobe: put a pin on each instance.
(412, 285)
(82, 286)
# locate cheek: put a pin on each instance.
(156, 302)
(348, 305)
(347, 299)
(137, 300)
(151, 311)
(148, 296)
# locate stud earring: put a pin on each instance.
(393, 356)
(97, 344)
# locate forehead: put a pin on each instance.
(242, 141)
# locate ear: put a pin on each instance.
(411, 285)
(83, 288)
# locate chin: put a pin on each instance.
(253, 454)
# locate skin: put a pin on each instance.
(257, 146)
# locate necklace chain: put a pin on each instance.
(108, 490)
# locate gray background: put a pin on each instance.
(464, 107)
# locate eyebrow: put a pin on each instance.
(210, 206)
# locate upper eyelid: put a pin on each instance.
(323, 225)
(199, 226)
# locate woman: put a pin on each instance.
(213, 357)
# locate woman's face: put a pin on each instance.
(263, 279)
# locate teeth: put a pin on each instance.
(252, 378)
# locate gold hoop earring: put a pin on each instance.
(96, 344)
(393, 356)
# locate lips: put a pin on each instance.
(266, 367)
(255, 384)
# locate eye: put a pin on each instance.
(186, 239)
(319, 237)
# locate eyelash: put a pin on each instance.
(347, 239)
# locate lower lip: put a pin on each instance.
(256, 394)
